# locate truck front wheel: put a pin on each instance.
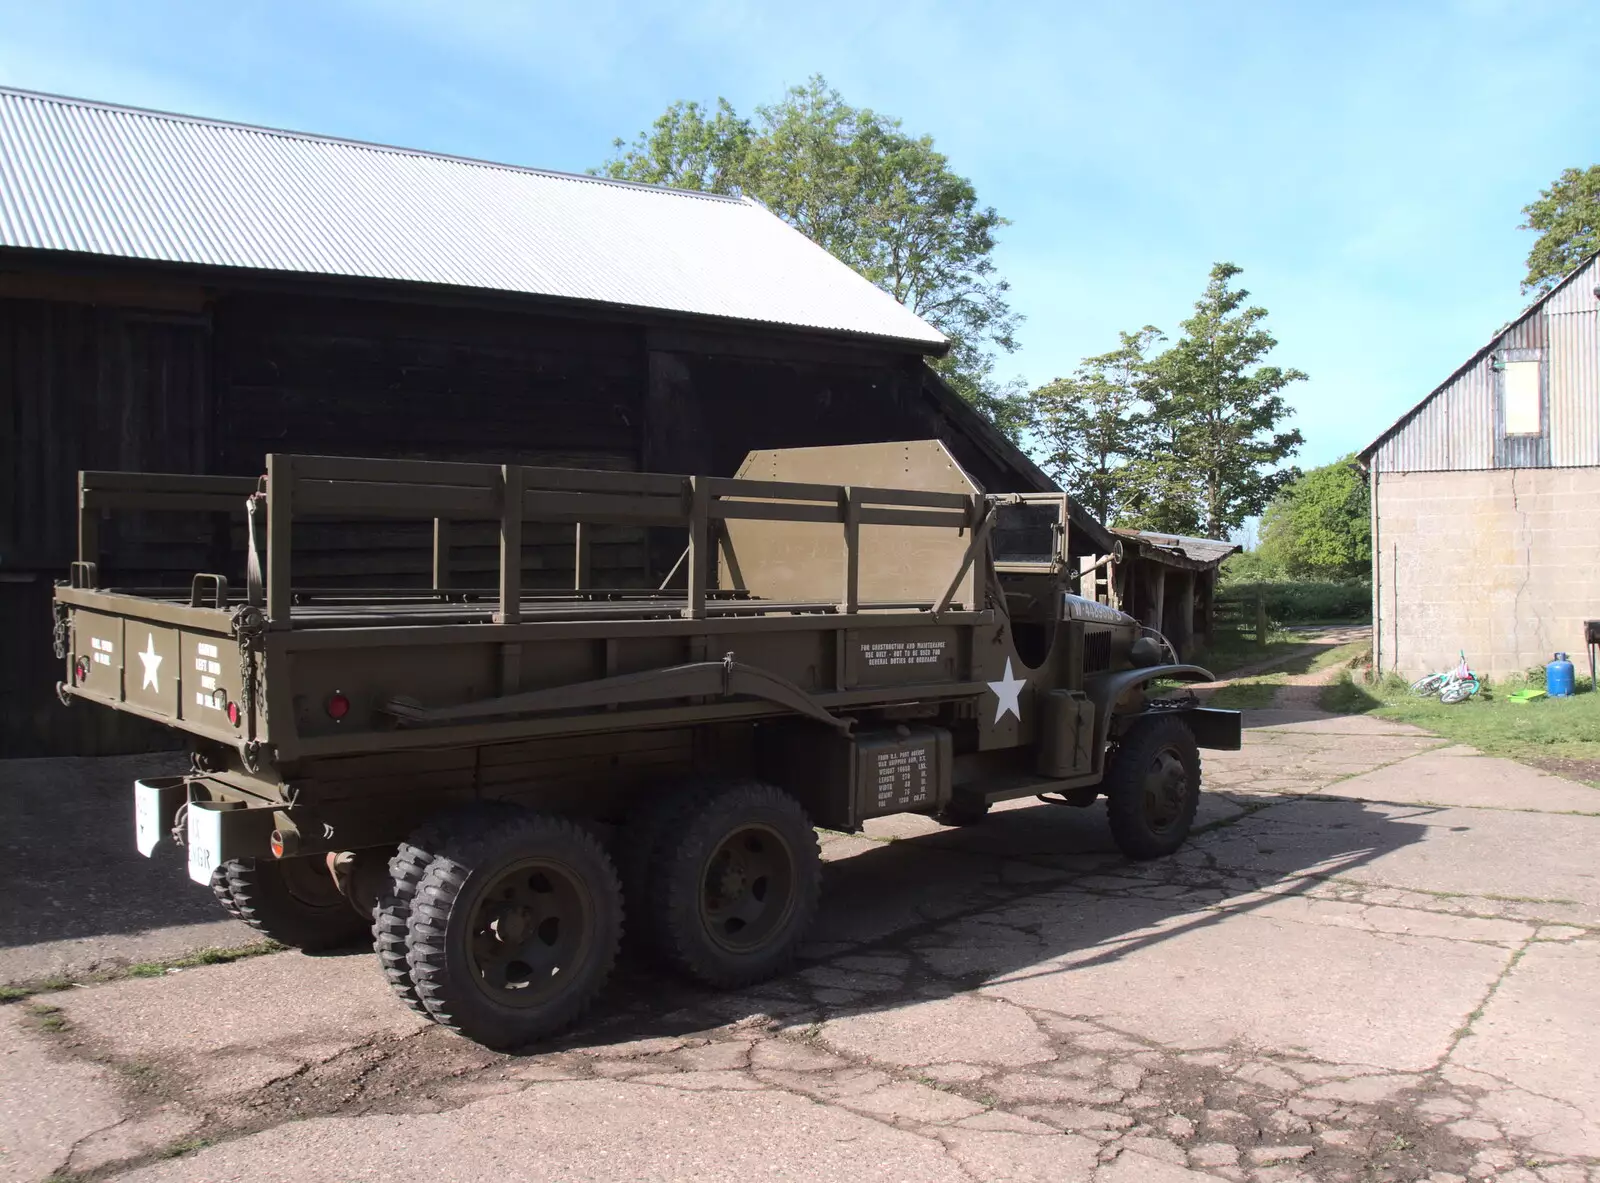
(736, 880)
(1152, 788)
(514, 928)
(293, 901)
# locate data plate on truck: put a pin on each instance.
(901, 770)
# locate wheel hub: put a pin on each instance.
(1165, 787)
(529, 932)
(747, 890)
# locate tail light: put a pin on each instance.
(81, 669)
(338, 707)
(233, 713)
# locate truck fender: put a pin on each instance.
(1105, 690)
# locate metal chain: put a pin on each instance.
(249, 623)
(62, 632)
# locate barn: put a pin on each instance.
(182, 294)
(1485, 530)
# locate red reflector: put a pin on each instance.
(233, 713)
(82, 669)
(338, 706)
(277, 844)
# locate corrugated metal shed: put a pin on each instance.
(1456, 427)
(115, 181)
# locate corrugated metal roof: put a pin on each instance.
(107, 180)
(1201, 550)
(1453, 428)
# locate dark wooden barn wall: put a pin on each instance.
(238, 374)
(82, 387)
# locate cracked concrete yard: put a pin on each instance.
(1379, 960)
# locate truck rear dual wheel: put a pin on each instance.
(292, 901)
(513, 927)
(1152, 788)
(732, 883)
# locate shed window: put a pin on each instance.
(1523, 398)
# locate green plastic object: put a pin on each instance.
(1526, 695)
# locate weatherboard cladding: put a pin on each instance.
(1454, 429)
(114, 181)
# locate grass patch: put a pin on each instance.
(1252, 695)
(50, 1017)
(1547, 728)
(143, 969)
(185, 1146)
(1230, 651)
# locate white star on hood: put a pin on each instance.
(152, 664)
(1008, 695)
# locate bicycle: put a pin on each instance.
(1451, 686)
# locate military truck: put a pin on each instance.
(489, 777)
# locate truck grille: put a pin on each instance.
(1096, 650)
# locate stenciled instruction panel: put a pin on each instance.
(887, 659)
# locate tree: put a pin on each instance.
(1094, 428)
(1567, 219)
(1218, 411)
(686, 150)
(1320, 526)
(885, 202)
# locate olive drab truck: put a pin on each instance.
(489, 779)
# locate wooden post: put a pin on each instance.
(510, 545)
(1183, 628)
(699, 517)
(581, 557)
(1156, 582)
(1261, 620)
(88, 530)
(280, 511)
(441, 553)
(850, 505)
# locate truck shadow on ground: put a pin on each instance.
(1029, 894)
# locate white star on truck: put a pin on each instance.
(152, 665)
(1008, 693)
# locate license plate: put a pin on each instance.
(203, 840)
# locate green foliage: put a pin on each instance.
(687, 148)
(1308, 601)
(1220, 411)
(1319, 526)
(1183, 443)
(1246, 566)
(1094, 426)
(1567, 219)
(854, 182)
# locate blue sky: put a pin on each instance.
(1365, 163)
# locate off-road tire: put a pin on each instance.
(691, 941)
(294, 902)
(392, 915)
(1151, 812)
(961, 815)
(224, 893)
(447, 908)
(660, 812)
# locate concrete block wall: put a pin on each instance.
(1503, 563)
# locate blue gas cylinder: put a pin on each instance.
(1558, 677)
